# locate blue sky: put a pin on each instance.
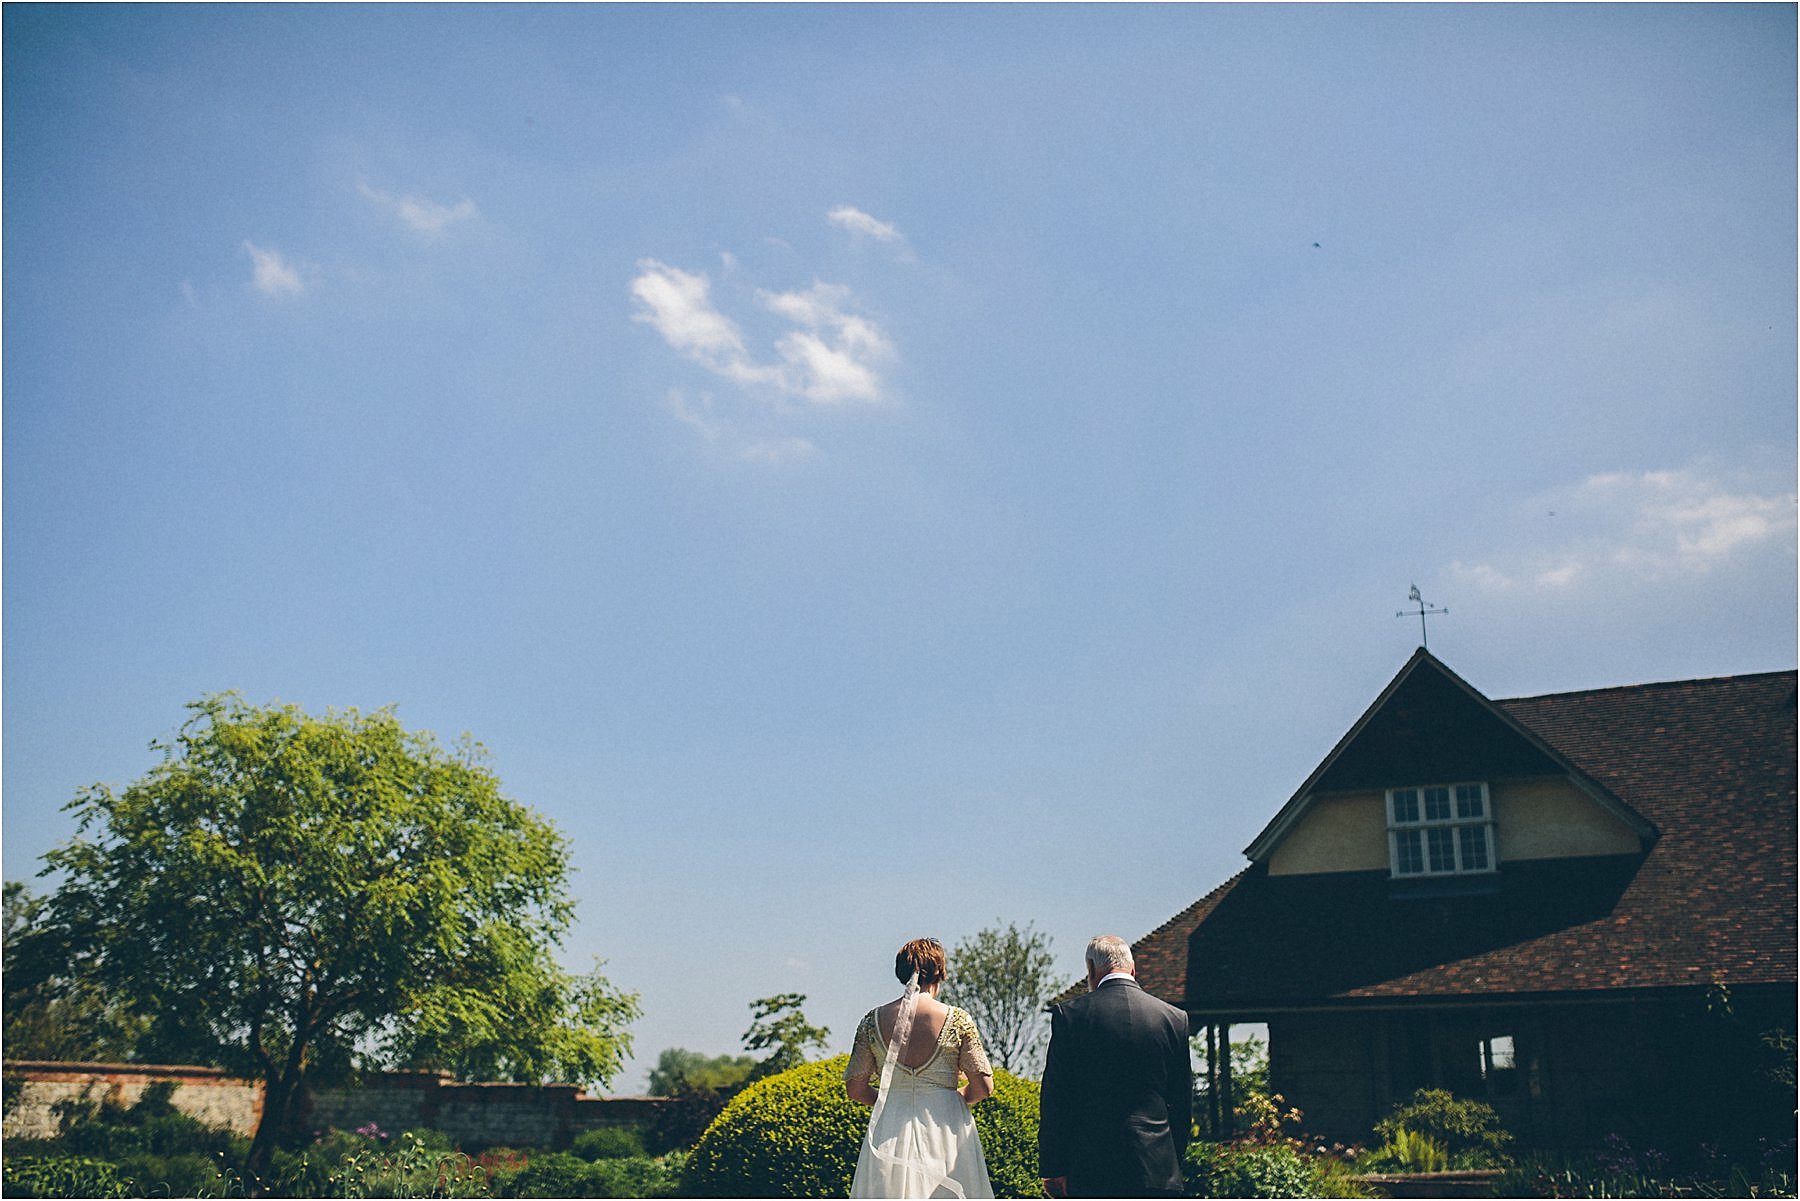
(876, 471)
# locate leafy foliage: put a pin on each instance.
(608, 1142)
(796, 1134)
(1266, 1170)
(558, 1174)
(1003, 978)
(1619, 1169)
(367, 897)
(410, 1168)
(1409, 1151)
(49, 1015)
(1249, 1082)
(779, 1027)
(678, 1067)
(61, 1176)
(1468, 1131)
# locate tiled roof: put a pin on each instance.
(1710, 763)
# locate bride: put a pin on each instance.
(921, 1140)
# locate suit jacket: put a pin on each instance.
(1117, 1093)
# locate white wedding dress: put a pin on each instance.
(922, 1140)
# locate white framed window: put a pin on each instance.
(1440, 830)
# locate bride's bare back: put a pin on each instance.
(927, 1028)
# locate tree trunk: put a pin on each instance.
(279, 1094)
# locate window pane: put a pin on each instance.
(1437, 804)
(1500, 1052)
(1442, 847)
(1409, 860)
(1468, 801)
(1474, 848)
(1406, 805)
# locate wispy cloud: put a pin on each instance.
(832, 356)
(427, 218)
(1651, 526)
(730, 437)
(272, 274)
(678, 305)
(859, 222)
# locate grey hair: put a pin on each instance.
(1109, 953)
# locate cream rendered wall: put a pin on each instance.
(1533, 819)
(1553, 819)
(1346, 832)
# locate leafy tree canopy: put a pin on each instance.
(678, 1068)
(293, 896)
(1004, 978)
(779, 1027)
(49, 1015)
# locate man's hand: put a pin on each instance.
(1056, 1186)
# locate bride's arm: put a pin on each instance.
(862, 1066)
(972, 1060)
(979, 1088)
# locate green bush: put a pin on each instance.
(188, 1175)
(559, 1174)
(60, 1176)
(796, 1134)
(341, 1164)
(1468, 1131)
(1265, 1170)
(609, 1142)
(1408, 1151)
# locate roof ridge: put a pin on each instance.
(1650, 685)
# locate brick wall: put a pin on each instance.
(524, 1115)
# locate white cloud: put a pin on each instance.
(678, 305)
(859, 222)
(272, 274)
(1619, 528)
(425, 217)
(833, 357)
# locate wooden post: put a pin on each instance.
(1212, 1078)
(1225, 1100)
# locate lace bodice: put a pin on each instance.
(959, 1051)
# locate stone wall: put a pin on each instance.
(206, 1093)
(522, 1115)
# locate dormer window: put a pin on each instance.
(1440, 830)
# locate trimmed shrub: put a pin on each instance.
(796, 1134)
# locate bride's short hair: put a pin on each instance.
(924, 956)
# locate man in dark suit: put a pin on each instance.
(1116, 1101)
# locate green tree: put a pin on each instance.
(293, 897)
(678, 1068)
(1004, 978)
(48, 1014)
(780, 1028)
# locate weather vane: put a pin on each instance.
(1422, 611)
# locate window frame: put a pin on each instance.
(1451, 825)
